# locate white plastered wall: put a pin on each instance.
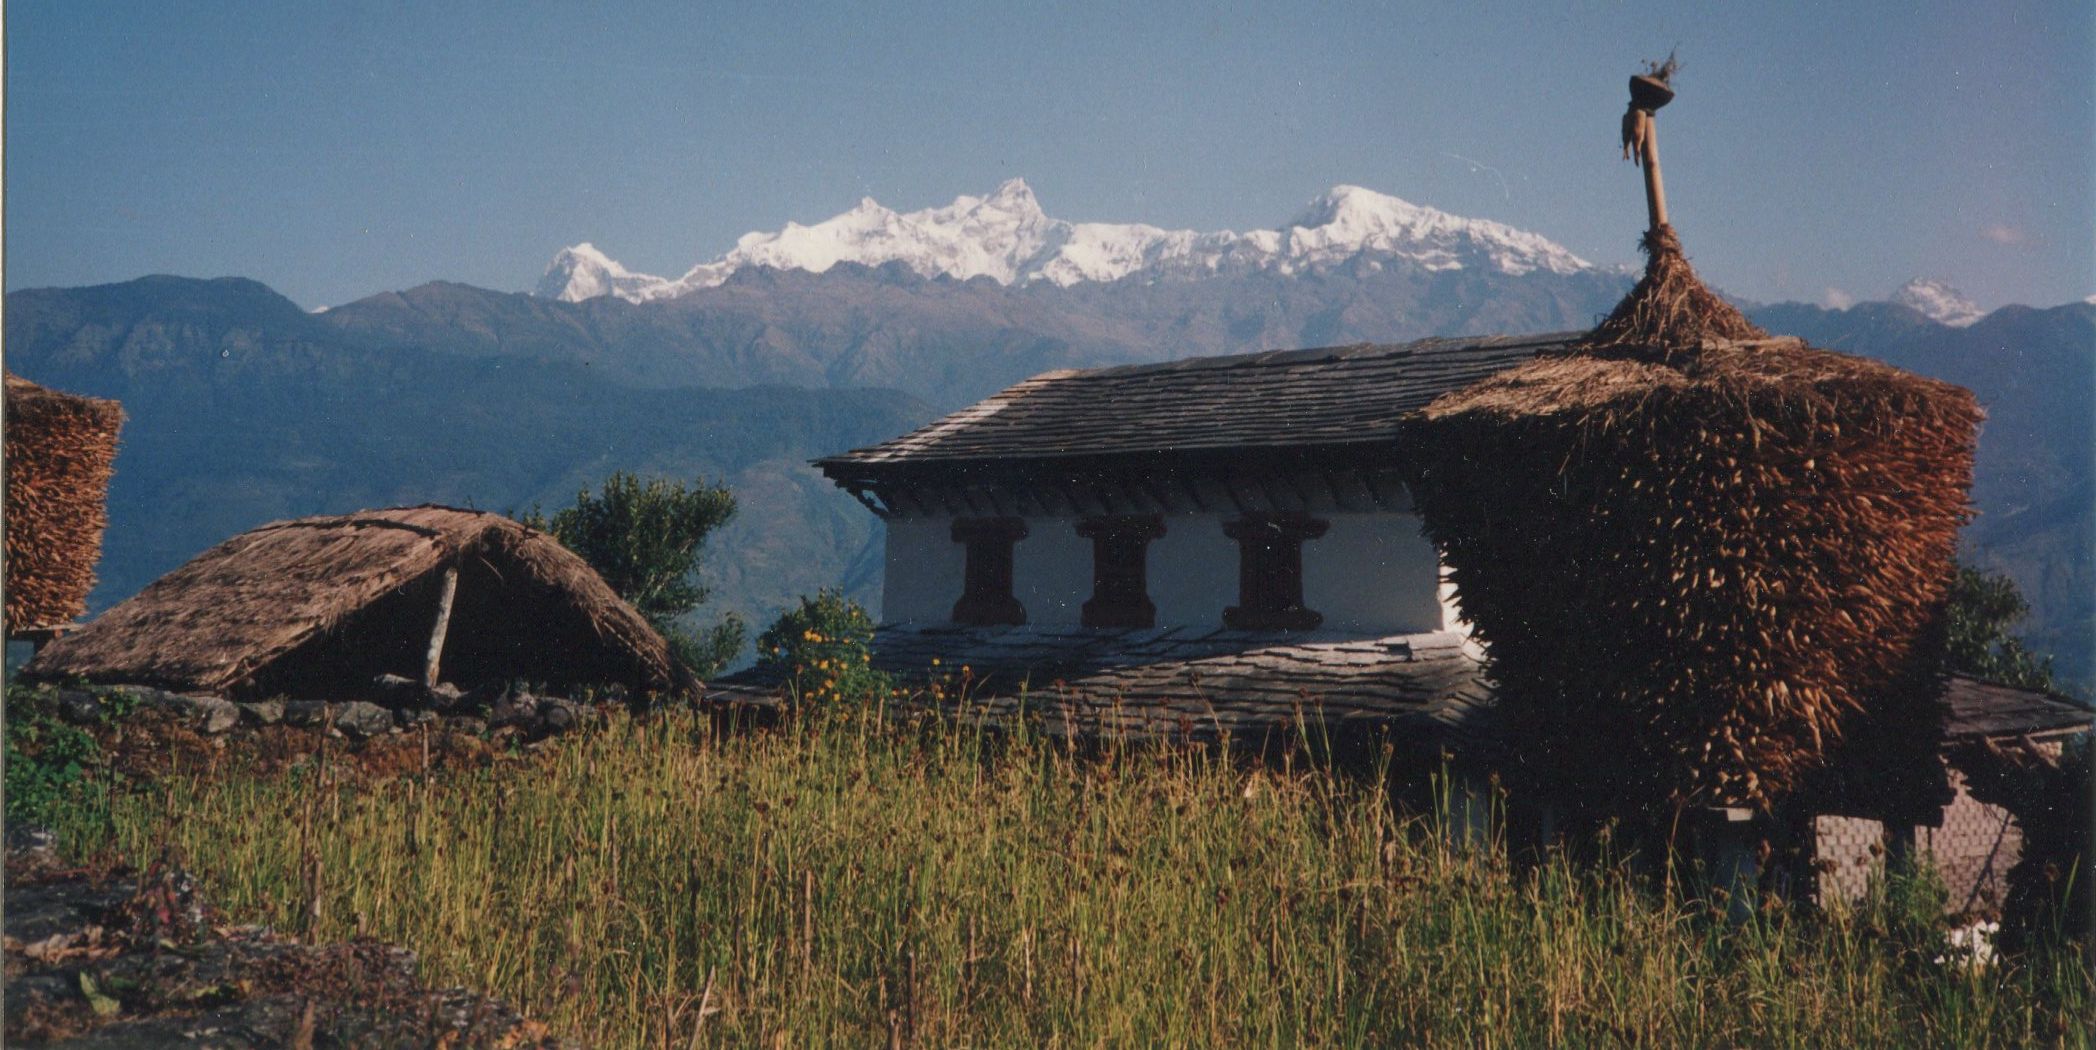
(923, 571)
(1370, 573)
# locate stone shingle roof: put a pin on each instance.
(1182, 682)
(1985, 709)
(1350, 395)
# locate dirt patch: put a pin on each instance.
(110, 958)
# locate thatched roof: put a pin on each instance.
(61, 450)
(1781, 375)
(1670, 309)
(1707, 568)
(321, 604)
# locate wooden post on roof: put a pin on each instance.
(1648, 92)
(430, 666)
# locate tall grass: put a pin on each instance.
(843, 880)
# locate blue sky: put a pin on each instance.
(337, 150)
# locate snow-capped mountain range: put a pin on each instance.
(1939, 302)
(1008, 238)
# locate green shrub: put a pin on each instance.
(56, 772)
(1983, 606)
(824, 647)
(646, 538)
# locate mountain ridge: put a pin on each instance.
(245, 408)
(1006, 237)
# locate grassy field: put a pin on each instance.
(846, 881)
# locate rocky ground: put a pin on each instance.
(144, 732)
(113, 959)
(103, 957)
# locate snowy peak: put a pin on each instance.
(1350, 219)
(1006, 237)
(583, 272)
(1938, 301)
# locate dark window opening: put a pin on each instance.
(1120, 570)
(1270, 572)
(986, 589)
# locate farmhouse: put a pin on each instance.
(1704, 569)
(1213, 545)
(318, 607)
(1232, 545)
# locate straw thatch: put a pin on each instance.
(1669, 311)
(61, 450)
(319, 606)
(1702, 566)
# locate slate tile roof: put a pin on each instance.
(1984, 709)
(1349, 395)
(1197, 682)
(1183, 682)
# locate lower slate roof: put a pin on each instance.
(1292, 399)
(1200, 682)
(1180, 682)
(1986, 709)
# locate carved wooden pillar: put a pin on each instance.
(1270, 572)
(986, 590)
(1120, 569)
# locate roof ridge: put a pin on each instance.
(1278, 356)
(1349, 395)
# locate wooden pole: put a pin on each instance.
(443, 625)
(1648, 158)
(1648, 92)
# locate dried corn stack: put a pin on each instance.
(1701, 563)
(60, 450)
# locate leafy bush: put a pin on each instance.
(706, 650)
(646, 538)
(1983, 606)
(824, 647)
(54, 769)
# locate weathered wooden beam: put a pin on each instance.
(1131, 492)
(1157, 495)
(859, 493)
(432, 663)
(1266, 490)
(996, 501)
(1098, 488)
(1193, 492)
(1332, 486)
(1230, 490)
(1374, 493)
(1069, 494)
(1294, 482)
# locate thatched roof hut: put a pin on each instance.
(61, 450)
(320, 606)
